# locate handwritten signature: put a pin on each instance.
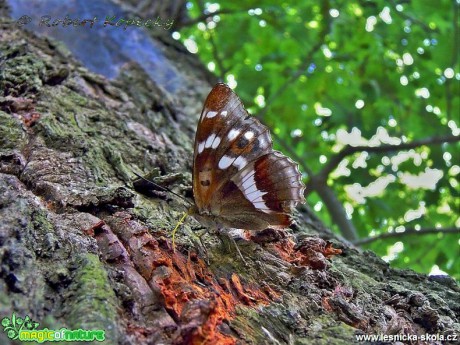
(112, 21)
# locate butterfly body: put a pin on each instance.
(239, 181)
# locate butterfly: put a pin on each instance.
(239, 181)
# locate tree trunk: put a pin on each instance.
(82, 247)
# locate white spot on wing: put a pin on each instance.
(240, 162)
(249, 135)
(254, 195)
(224, 113)
(209, 141)
(261, 206)
(248, 183)
(250, 190)
(225, 162)
(215, 143)
(201, 147)
(233, 134)
(210, 114)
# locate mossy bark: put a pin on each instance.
(81, 247)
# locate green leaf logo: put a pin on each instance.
(13, 326)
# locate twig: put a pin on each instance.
(410, 231)
(403, 15)
(215, 54)
(348, 150)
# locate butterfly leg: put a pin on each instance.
(201, 244)
(225, 237)
(238, 250)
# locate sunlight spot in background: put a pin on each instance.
(260, 100)
(211, 66)
(296, 133)
(454, 170)
(403, 156)
(408, 59)
(342, 169)
(403, 80)
(449, 73)
(231, 82)
(191, 45)
(255, 12)
(454, 128)
(211, 8)
(444, 208)
(175, 35)
(415, 214)
(426, 180)
(318, 122)
(334, 13)
(447, 156)
(322, 159)
(385, 15)
(400, 229)
(322, 111)
(358, 193)
(393, 251)
(422, 93)
(318, 206)
(326, 51)
(370, 23)
(360, 161)
(313, 24)
(359, 104)
(348, 209)
(354, 138)
(382, 137)
(436, 271)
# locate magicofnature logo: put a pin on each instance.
(25, 329)
(13, 326)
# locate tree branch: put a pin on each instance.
(422, 24)
(337, 211)
(219, 61)
(410, 231)
(348, 150)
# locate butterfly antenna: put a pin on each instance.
(165, 189)
(179, 223)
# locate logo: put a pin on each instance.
(25, 329)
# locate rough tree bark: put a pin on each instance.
(82, 247)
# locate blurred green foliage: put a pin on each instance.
(327, 74)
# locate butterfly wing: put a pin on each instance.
(237, 177)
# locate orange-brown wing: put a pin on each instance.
(233, 151)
